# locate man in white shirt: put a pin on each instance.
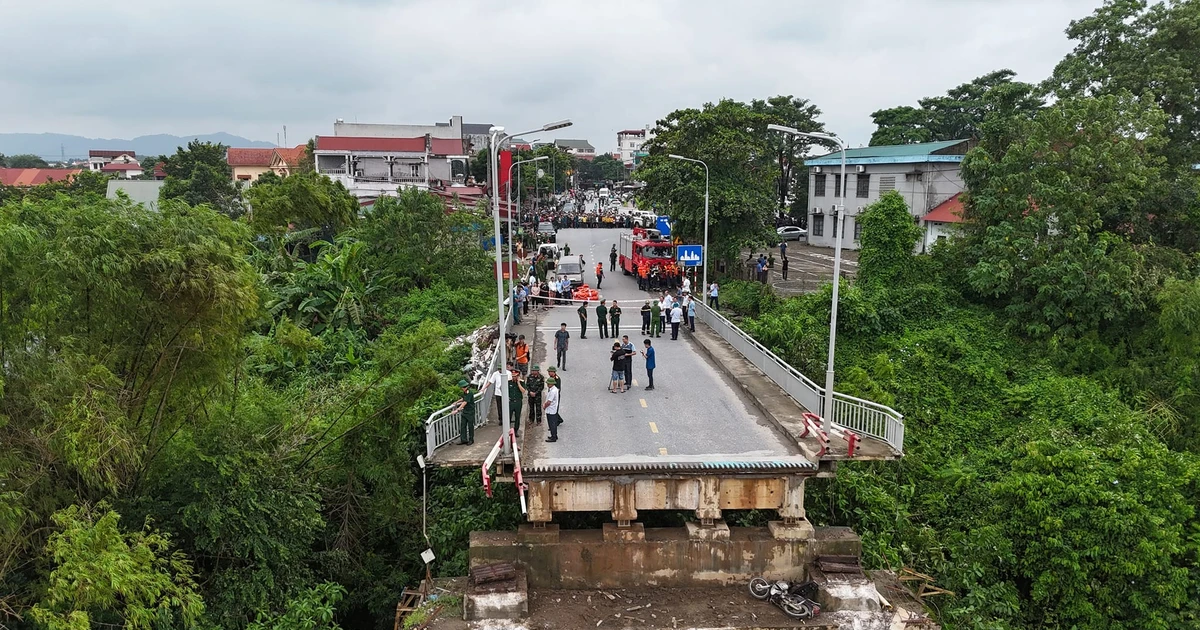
(676, 319)
(551, 407)
(499, 381)
(713, 300)
(687, 285)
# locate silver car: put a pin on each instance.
(791, 233)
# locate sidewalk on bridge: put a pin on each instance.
(780, 408)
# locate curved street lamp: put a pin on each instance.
(704, 283)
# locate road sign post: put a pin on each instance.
(691, 255)
(663, 223)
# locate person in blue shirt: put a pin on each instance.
(691, 313)
(649, 354)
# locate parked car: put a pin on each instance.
(791, 233)
(571, 268)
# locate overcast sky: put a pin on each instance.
(249, 67)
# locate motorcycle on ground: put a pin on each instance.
(795, 600)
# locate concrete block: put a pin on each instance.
(802, 530)
(636, 532)
(624, 501)
(842, 592)
(718, 531)
(530, 535)
(506, 605)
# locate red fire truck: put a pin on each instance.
(649, 257)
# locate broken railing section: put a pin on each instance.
(517, 474)
(857, 416)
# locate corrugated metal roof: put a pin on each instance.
(35, 176)
(110, 153)
(892, 154)
(249, 157)
(361, 143)
(949, 211)
(569, 143)
(446, 146)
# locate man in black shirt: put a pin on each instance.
(561, 339)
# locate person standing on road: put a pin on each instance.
(516, 396)
(691, 313)
(785, 267)
(617, 383)
(522, 352)
(566, 249)
(614, 317)
(783, 249)
(583, 320)
(649, 354)
(466, 410)
(656, 324)
(498, 380)
(561, 339)
(599, 274)
(629, 351)
(551, 406)
(646, 318)
(687, 285)
(602, 319)
(676, 319)
(534, 384)
(713, 299)
(612, 258)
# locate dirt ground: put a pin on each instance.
(726, 607)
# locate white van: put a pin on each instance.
(570, 267)
(603, 194)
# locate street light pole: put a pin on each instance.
(496, 140)
(827, 412)
(704, 284)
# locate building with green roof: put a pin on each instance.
(925, 175)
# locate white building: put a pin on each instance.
(942, 222)
(925, 175)
(99, 158)
(371, 166)
(629, 142)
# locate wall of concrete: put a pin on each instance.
(666, 557)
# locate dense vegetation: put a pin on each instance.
(209, 422)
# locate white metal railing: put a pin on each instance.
(441, 427)
(861, 416)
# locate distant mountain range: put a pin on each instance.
(52, 146)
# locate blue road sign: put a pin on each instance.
(664, 225)
(691, 255)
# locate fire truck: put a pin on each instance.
(651, 258)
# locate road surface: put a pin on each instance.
(694, 412)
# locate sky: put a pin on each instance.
(249, 67)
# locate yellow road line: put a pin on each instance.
(643, 401)
(662, 451)
(653, 428)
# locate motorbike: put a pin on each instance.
(795, 600)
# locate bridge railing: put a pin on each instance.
(856, 414)
(442, 428)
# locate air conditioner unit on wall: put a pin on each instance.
(860, 169)
(817, 170)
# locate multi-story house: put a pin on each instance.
(925, 175)
(249, 164)
(99, 158)
(371, 166)
(578, 148)
(629, 144)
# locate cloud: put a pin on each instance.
(250, 67)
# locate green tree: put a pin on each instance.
(25, 160)
(480, 166)
(888, 239)
(960, 114)
(1147, 50)
(199, 174)
(302, 201)
(732, 140)
(1042, 215)
(602, 168)
(311, 610)
(799, 114)
(104, 576)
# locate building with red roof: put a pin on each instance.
(123, 170)
(99, 158)
(941, 221)
(287, 161)
(36, 176)
(248, 164)
(374, 165)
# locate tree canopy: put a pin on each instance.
(199, 174)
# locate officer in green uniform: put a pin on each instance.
(535, 383)
(466, 410)
(583, 320)
(602, 318)
(516, 396)
(614, 317)
(655, 318)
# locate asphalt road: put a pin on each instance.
(693, 413)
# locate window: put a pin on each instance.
(819, 185)
(886, 184)
(857, 230)
(837, 185)
(818, 224)
(864, 187)
(414, 170)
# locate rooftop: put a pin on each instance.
(115, 167)
(291, 157)
(380, 145)
(949, 211)
(109, 153)
(446, 146)
(35, 176)
(944, 151)
(249, 157)
(568, 143)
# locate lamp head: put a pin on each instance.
(556, 125)
(496, 129)
(677, 157)
(774, 127)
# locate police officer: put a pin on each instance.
(534, 384)
(583, 320)
(516, 396)
(646, 318)
(612, 259)
(656, 324)
(614, 318)
(602, 319)
(466, 411)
